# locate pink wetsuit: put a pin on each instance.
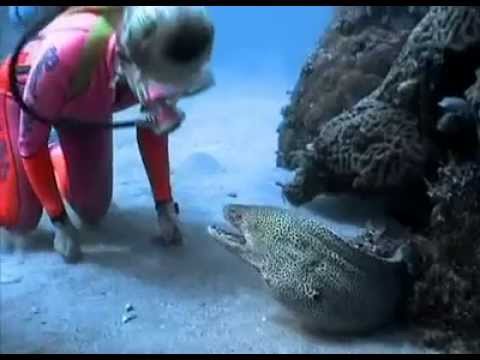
(82, 161)
(54, 62)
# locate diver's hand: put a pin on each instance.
(170, 234)
(67, 241)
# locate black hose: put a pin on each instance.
(30, 34)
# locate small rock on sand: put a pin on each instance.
(200, 163)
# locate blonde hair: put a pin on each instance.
(168, 44)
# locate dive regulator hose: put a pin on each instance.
(28, 35)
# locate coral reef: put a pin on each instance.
(406, 141)
(446, 301)
(387, 143)
(350, 62)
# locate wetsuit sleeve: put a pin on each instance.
(45, 92)
(153, 149)
(155, 156)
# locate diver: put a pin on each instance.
(87, 64)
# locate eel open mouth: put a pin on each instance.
(226, 236)
(231, 234)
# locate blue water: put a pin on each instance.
(266, 41)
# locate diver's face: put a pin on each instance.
(163, 98)
(158, 101)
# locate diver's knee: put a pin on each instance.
(27, 222)
(92, 205)
(92, 214)
(91, 218)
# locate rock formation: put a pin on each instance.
(386, 143)
(350, 62)
(396, 140)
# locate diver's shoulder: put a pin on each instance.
(70, 30)
(75, 19)
(68, 36)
